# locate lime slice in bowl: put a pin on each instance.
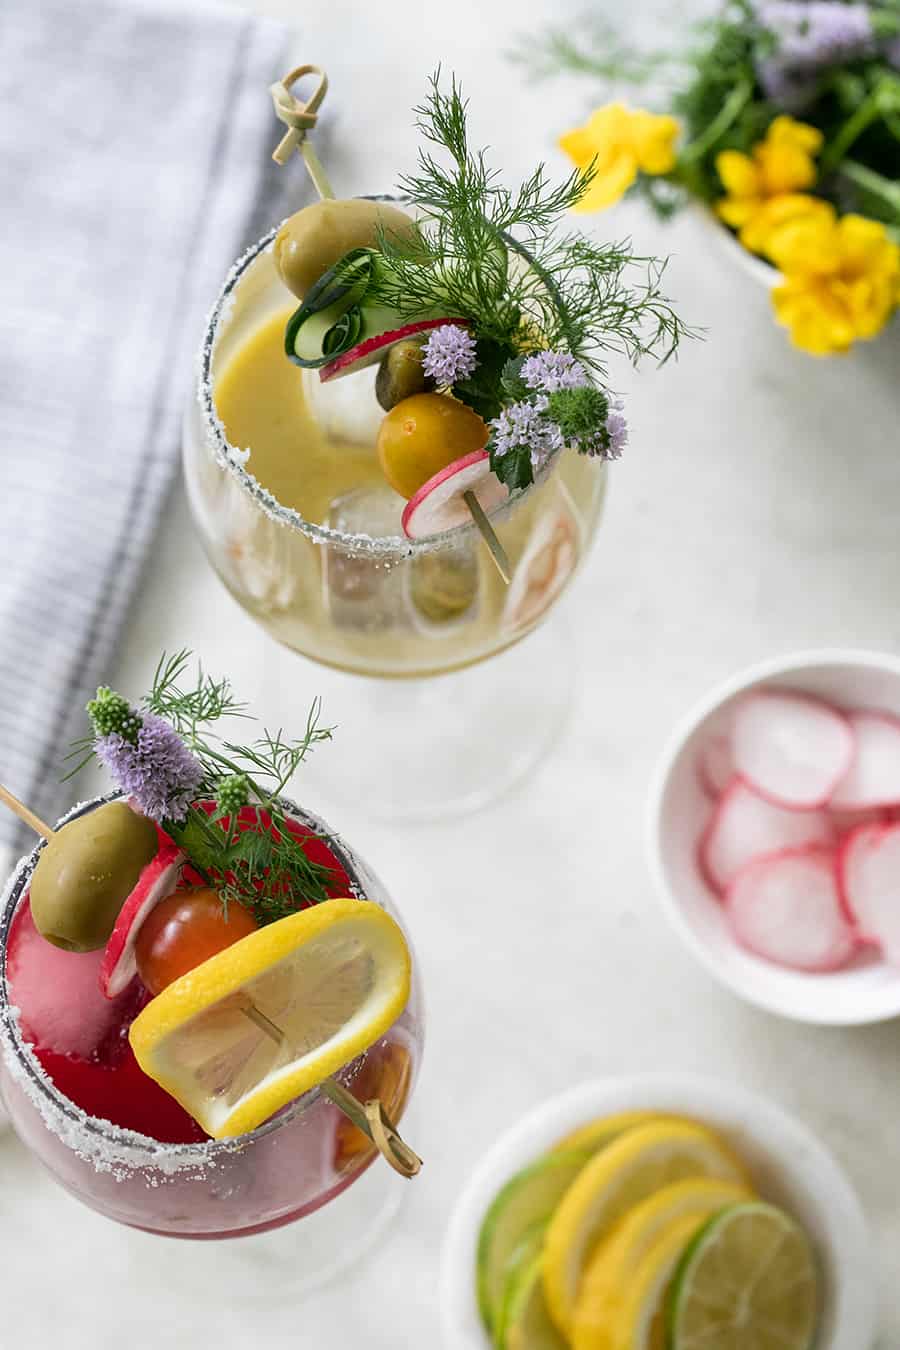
(528, 1324)
(747, 1281)
(525, 1202)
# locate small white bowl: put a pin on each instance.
(868, 990)
(788, 1164)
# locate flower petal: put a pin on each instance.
(736, 211)
(740, 176)
(613, 179)
(762, 229)
(653, 138)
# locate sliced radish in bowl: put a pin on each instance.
(745, 826)
(869, 871)
(873, 777)
(792, 748)
(372, 349)
(157, 880)
(786, 908)
(715, 764)
(439, 505)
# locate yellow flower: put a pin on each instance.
(619, 142)
(764, 229)
(841, 281)
(779, 166)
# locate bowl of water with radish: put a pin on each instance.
(774, 835)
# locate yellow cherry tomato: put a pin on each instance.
(422, 435)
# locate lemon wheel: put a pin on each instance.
(272, 1016)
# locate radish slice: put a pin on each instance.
(372, 349)
(873, 778)
(546, 564)
(869, 871)
(715, 764)
(745, 826)
(793, 749)
(157, 880)
(845, 821)
(787, 909)
(438, 505)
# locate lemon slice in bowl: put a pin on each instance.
(747, 1281)
(621, 1176)
(597, 1133)
(272, 1016)
(616, 1261)
(642, 1322)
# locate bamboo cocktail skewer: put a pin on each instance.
(300, 118)
(370, 1117)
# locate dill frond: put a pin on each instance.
(499, 258)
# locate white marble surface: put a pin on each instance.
(756, 511)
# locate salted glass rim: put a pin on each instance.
(132, 1141)
(232, 458)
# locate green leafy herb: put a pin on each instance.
(499, 258)
(580, 414)
(175, 730)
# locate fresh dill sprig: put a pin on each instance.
(218, 799)
(498, 258)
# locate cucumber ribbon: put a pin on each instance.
(334, 316)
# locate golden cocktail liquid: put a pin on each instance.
(405, 611)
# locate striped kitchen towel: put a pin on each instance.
(134, 159)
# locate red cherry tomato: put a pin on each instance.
(184, 930)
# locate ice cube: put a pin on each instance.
(345, 409)
(364, 590)
(443, 586)
(57, 992)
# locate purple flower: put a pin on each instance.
(552, 371)
(524, 425)
(810, 35)
(449, 354)
(159, 771)
(613, 440)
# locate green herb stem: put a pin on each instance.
(868, 112)
(729, 113)
(870, 181)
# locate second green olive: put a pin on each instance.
(85, 873)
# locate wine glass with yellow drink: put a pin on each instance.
(397, 454)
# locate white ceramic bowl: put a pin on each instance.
(868, 990)
(789, 1167)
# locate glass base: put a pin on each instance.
(288, 1262)
(426, 749)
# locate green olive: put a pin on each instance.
(314, 239)
(400, 374)
(85, 873)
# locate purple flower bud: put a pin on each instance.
(524, 425)
(810, 35)
(449, 354)
(158, 770)
(551, 371)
